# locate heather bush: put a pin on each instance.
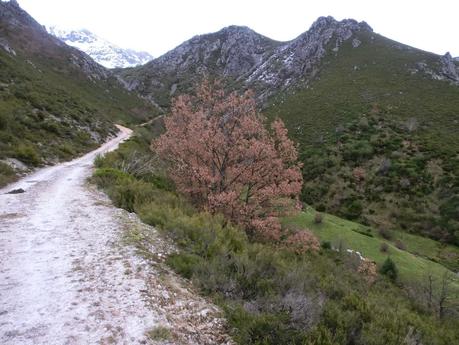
(303, 241)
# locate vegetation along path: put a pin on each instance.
(67, 275)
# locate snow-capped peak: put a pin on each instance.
(102, 51)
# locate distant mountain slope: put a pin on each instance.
(379, 131)
(102, 51)
(252, 60)
(55, 101)
(400, 170)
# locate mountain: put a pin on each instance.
(102, 51)
(252, 60)
(55, 101)
(376, 120)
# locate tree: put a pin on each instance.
(437, 294)
(221, 155)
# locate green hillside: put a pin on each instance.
(379, 138)
(415, 256)
(270, 296)
(55, 102)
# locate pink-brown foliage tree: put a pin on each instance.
(221, 155)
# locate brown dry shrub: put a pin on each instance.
(303, 241)
(368, 269)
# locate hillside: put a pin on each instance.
(379, 137)
(321, 84)
(102, 51)
(55, 101)
(271, 296)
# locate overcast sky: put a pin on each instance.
(158, 26)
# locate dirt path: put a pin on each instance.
(67, 276)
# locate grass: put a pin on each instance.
(159, 333)
(7, 174)
(412, 267)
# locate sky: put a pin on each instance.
(159, 26)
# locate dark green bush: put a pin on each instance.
(389, 269)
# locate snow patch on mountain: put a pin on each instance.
(102, 51)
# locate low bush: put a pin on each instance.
(27, 154)
(303, 241)
(400, 245)
(386, 234)
(318, 218)
(384, 247)
(389, 269)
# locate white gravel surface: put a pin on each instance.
(67, 278)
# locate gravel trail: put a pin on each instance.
(68, 277)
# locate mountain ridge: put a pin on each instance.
(255, 61)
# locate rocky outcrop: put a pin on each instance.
(299, 60)
(449, 69)
(248, 58)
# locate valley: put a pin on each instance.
(235, 190)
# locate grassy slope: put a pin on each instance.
(414, 263)
(377, 79)
(377, 72)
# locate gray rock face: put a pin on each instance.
(245, 56)
(298, 60)
(449, 68)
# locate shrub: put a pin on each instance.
(368, 269)
(27, 154)
(326, 245)
(400, 245)
(359, 174)
(318, 218)
(3, 121)
(7, 174)
(384, 233)
(384, 247)
(389, 269)
(303, 241)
